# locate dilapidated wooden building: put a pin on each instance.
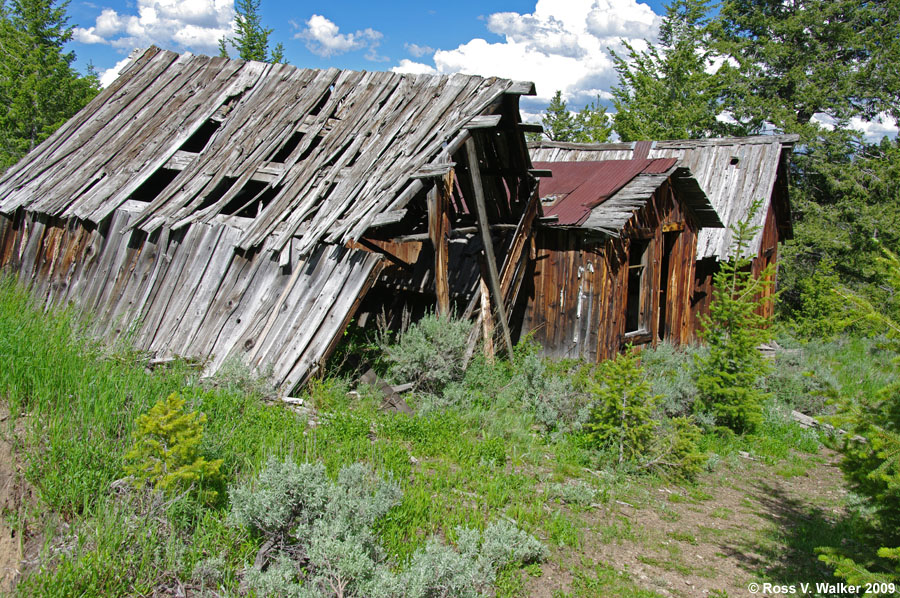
(733, 173)
(614, 256)
(221, 209)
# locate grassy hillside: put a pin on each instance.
(480, 450)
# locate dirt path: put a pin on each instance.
(749, 522)
(15, 497)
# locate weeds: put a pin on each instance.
(507, 446)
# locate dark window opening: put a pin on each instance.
(665, 276)
(734, 160)
(288, 148)
(199, 140)
(154, 185)
(636, 307)
(217, 193)
(251, 200)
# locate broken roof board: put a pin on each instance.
(325, 154)
(732, 171)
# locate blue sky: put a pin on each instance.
(558, 44)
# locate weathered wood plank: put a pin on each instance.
(493, 277)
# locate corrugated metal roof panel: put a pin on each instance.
(579, 187)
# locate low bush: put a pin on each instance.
(320, 540)
(429, 353)
(800, 380)
(165, 453)
(557, 405)
(669, 370)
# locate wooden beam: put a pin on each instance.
(434, 170)
(487, 322)
(439, 232)
(522, 88)
(386, 218)
(486, 121)
(530, 127)
(481, 209)
(454, 233)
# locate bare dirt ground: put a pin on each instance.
(15, 497)
(744, 523)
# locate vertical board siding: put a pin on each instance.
(189, 292)
(577, 297)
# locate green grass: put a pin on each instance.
(603, 580)
(76, 402)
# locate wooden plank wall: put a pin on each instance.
(576, 298)
(189, 292)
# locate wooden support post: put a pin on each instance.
(487, 322)
(439, 232)
(481, 209)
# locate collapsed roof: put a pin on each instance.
(211, 204)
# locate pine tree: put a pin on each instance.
(789, 67)
(789, 61)
(622, 418)
(666, 92)
(166, 450)
(251, 39)
(39, 89)
(727, 378)
(590, 125)
(557, 120)
(871, 452)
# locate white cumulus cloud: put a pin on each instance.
(323, 38)
(417, 50)
(195, 24)
(873, 130)
(408, 66)
(559, 46)
(110, 74)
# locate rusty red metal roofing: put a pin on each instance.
(578, 187)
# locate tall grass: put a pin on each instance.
(74, 403)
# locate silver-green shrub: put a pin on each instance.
(556, 403)
(574, 492)
(324, 542)
(669, 370)
(286, 498)
(429, 353)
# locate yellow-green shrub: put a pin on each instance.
(165, 452)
